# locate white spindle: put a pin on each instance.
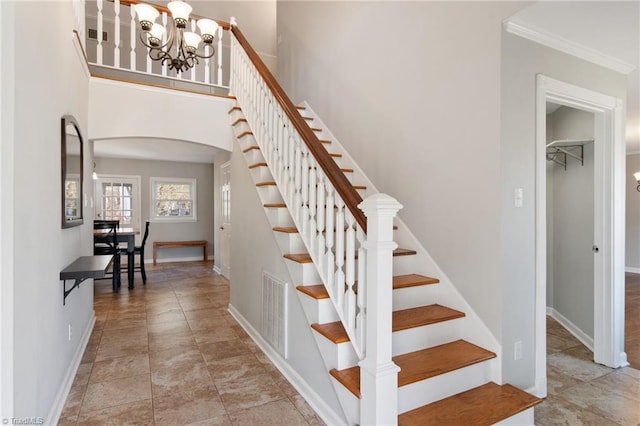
(132, 36)
(116, 34)
(350, 275)
(220, 33)
(100, 22)
(312, 211)
(339, 256)
(330, 232)
(320, 224)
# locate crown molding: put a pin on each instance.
(567, 46)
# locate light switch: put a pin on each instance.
(518, 197)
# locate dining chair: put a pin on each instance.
(139, 250)
(107, 244)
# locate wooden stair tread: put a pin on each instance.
(403, 252)
(317, 291)
(298, 257)
(325, 141)
(235, 108)
(239, 120)
(334, 331)
(245, 133)
(308, 118)
(484, 405)
(286, 230)
(346, 170)
(253, 166)
(266, 183)
(412, 280)
(300, 107)
(359, 186)
(335, 155)
(316, 129)
(424, 364)
(249, 148)
(423, 315)
(275, 205)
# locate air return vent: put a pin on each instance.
(274, 312)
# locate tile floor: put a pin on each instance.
(169, 353)
(581, 392)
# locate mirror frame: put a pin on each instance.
(68, 223)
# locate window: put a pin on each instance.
(117, 198)
(72, 196)
(173, 199)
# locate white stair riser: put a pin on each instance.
(320, 311)
(253, 156)
(338, 356)
(417, 338)
(405, 264)
(260, 174)
(350, 404)
(413, 297)
(240, 127)
(269, 194)
(278, 216)
(442, 386)
(523, 418)
(290, 243)
(303, 273)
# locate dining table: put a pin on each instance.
(125, 235)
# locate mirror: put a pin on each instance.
(72, 172)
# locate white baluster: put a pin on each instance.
(330, 236)
(303, 219)
(350, 254)
(193, 70)
(116, 34)
(339, 280)
(378, 373)
(312, 212)
(320, 224)
(133, 38)
(361, 279)
(297, 200)
(99, 47)
(220, 34)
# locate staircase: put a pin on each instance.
(444, 378)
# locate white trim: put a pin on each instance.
(174, 92)
(63, 392)
(632, 269)
(569, 47)
(81, 55)
(136, 198)
(583, 337)
(193, 217)
(328, 415)
(609, 220)
(217, 270)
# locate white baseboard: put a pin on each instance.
(571, 328)
(63, 392)
(632, 269)
(326, 413)
(217, 270)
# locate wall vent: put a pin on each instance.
(93, 35)
(275, 312)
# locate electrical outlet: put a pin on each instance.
(70, 332)
(517, 350)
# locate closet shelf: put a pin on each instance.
(560, 150)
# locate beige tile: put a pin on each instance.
(193, 303)
(122, 346)
(115, 368)
(134, 413)
(74, 402)
(276, 413)
(176, 356)
(305, 409)
(216, 421)
(234, 368)
(249, 392)
(205, 318)
(187, 407)
(557, 411)
(165, 342)
(110, 393)
(135, 332)
(619, 383)
(120, 323)
(171, 316)
(82, 375)
(181, 377)
(168, 327)
(217, 334)
(611, 406)
(220, 350)
(577, 368)
(558, 382)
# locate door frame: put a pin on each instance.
(225, 227)
(609, 221)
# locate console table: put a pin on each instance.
(82, 268)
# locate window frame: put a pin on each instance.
(153, 181)
(136, 196)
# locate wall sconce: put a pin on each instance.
(94, 176)
(636, 176)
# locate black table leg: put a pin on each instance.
(130, 269)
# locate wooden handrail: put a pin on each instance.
(223, 24)
(341, 184)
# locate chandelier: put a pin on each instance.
(186, 54)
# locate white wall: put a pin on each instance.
(202, 229)
(521, 61)
(571, 231)
(412, 90)
(633, 215)
(254, 250)
(36, 249)
(157, 113)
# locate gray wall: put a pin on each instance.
(254, 250)
(37, 356)
(571, 231)
(202, 229)
(521, 61)
(633, 215)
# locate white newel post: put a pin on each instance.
(378, 373)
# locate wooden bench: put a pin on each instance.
(178, 244)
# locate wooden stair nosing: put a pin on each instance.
(334, 331)
(483, 405)
(286, 229)
(249, 148)
(275, 205)
(298, 257)
(316, 129)
(308, 118)
(266, 183)
(424, 364)
(234, 108)
(305, 258)
(253, 166)
(239, 120)
(300, 107)
(319, 291)
(245, 133)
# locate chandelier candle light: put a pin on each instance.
(185, 55)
